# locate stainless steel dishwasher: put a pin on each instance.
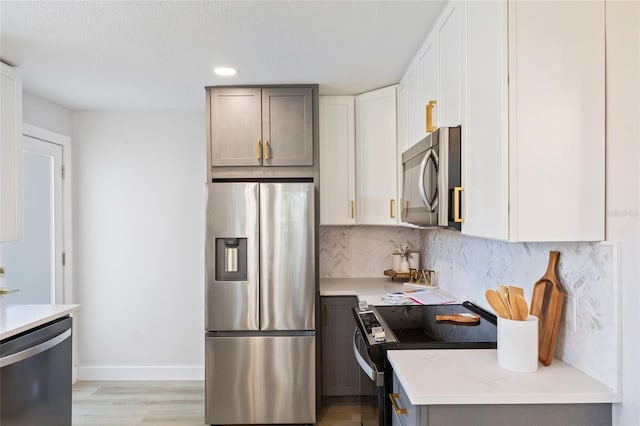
(35, 376)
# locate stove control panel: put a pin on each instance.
(373, 327)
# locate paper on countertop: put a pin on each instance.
(424, 296)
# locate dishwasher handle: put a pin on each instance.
(371, 372)
(34, 350)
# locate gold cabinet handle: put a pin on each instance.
(393, 397)
(430, 127)
(392, 205)
(258, 150)
(353, 209)
(266, 150)
(457, 193)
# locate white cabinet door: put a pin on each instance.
(337, 160)
(413, 101)
(376, 161)
(450, 61)
(10, 155)
(427, 64)
(402, 125)
(534, 145)
(485, 148)
(556, 120)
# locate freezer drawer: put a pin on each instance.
(260, 380)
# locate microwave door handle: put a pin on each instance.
(430, 155)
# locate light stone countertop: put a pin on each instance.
(372, 290)
(15, 319)
(449, 377)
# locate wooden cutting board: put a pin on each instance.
(547, 301)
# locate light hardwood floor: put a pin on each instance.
(165, 404)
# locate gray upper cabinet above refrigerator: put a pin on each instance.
(261, 126)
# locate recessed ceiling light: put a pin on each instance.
(225, 71)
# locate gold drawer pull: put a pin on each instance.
(393, 397)
(392, 207)
(353, 209)
(258, 151)
(430, 127)
(266, 150)
(457, 193)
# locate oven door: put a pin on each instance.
(371, 384)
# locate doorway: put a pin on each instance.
(34, 264)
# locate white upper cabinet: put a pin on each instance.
(376, 159)
(427, 69)
(533, 141)
(402, 125)
(10, 155)
(450, 65)
(337, 160)
(435, 79)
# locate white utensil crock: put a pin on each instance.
(518, 344)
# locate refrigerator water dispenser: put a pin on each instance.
(231, 259)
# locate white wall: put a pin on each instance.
(139, 244)
(47, 115)
(623, 187)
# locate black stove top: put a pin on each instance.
(416, 326)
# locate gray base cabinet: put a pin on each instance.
(407, 414)
(339, 367)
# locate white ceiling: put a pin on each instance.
(160, 54)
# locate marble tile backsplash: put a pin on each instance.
(588, 335)
(361, 251)
(466, 266)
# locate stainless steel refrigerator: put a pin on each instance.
(260, 303)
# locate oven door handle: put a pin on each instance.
(376, 376)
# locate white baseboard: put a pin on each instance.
(140, 373)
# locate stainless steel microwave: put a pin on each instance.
(431, 185)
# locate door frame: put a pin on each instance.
(64, 141)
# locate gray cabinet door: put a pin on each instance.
(339, 367)
(287, 126)
(236, 132)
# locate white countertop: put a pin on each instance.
(443, 377)
(15, 319)
(373, 290)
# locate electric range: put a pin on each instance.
(383, 328)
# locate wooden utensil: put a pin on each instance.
(502, 292)
(512, 293)
(496, 303)
(522, 310)
(547, 300)
(459, 318)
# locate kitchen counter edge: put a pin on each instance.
(452, 377)
(372, 290)
(16, 319)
